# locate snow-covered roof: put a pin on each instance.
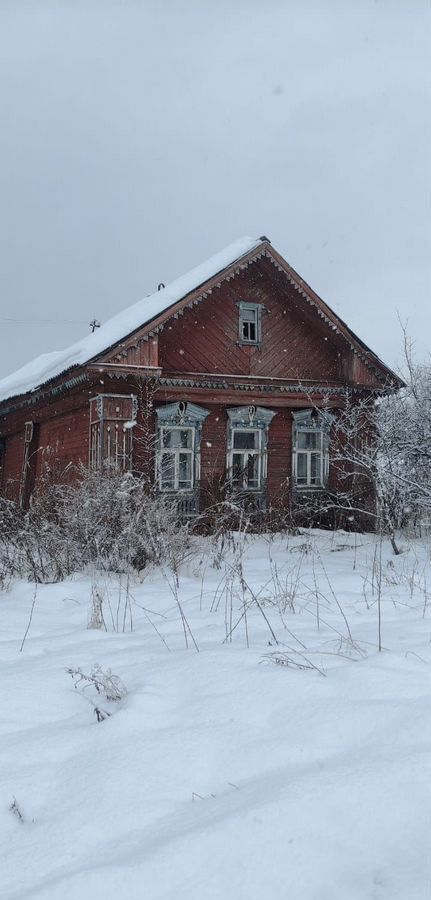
(50, 365)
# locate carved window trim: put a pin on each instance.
(25, 479)
(249, 419)
(111, 430)
(2, 457)
(180, 416)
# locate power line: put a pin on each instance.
(7, 320)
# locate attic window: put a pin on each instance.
(250, 323)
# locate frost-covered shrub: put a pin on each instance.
(108, 520)
(32, 542)
(102, 684)
(115, 522)
(405, 464)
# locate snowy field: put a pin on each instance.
(238, 768)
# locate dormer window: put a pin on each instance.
(250, 331)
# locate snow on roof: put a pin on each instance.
(50, 365)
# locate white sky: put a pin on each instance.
(139, 138)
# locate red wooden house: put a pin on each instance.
(240, 355)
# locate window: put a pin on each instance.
(112, 420)
(250, 323)
(29, 462)
(310, 449)
(178, 446)
(246, 461)
(177, 459)
(309, 458)
(2, 456)
(247, 447)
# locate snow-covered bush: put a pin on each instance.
(405, 437)
(115, 522)
(107, 520)
(385, 443)
(101, 684)
(33, 543)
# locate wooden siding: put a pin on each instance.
(61, 425)
(213, 454)
(280, 458)
(205, 338)
(63, 441)
(138, 352)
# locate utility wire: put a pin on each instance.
(6, 320)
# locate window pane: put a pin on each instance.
(309, 440)
(177, 437)
(253, 471)
(301, 468)
(237, 466)
(185, 438)
(167, 437)
(246, 440)
(185, 470)
(248, 324)
(315, 477)
(167, 470)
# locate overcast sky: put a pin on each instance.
(139, 138)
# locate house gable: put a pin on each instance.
(293, 344)
(315, 341)
(199, 333)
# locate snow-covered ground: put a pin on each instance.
(223, 774)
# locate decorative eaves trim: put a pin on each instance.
(311, 302)
(197, 299)
(298, 388)
(38, 396)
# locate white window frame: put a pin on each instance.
(308, 454)
(249, 418)
(180, 416)
(308, 422)
(256, 309)
(175, 452)
(245, 454)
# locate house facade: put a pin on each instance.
(227, 379)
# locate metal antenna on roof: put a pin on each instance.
(160, 286)
(93, 325)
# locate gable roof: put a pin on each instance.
(154, 310)
(50, 365)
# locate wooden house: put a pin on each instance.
(235, 360)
